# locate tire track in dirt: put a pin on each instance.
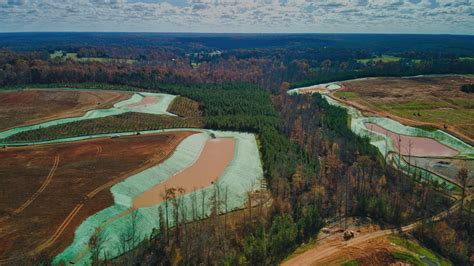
(59, 231)
(46, 182)
(318, 253)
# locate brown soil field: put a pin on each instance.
(371, 252)
(46, 191)
(26, 107)
(418, 101)
(414, 146)
(213, 160)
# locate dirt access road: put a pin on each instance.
(53, 188)
(324, 250)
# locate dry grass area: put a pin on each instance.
(26, 107)
(47, 191)
(433, 102)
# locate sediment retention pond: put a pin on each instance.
(401, 145)
(202, 163)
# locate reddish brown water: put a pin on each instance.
(416, 146)
(214, 159)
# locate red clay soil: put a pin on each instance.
(27, 107)
(47, 191)
(214, 159)
(371, 252)
(420, 146)
(147, 100)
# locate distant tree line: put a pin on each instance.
(468, 88)
(267, 68)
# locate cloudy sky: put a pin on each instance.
(388, 16)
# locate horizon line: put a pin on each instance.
(244, 33)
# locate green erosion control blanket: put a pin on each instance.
(160, 108)
(384, 143)
(329, 86)
(242, 175)
(424, 174)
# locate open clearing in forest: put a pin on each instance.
(46, 191)
(370, 246)
(382, 58)
(26, 107)
(63, 56)
(425, 101)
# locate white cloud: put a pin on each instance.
(414, 16)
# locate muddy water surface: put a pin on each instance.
(214, 159)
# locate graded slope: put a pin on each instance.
(429, 101)
(384, 132)
(214, 159)
(53, 188)
(157, 106)
(26, 107)
(239, 172)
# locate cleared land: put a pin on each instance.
(382, 58)
(53, 188)
(128, 122)
(26, 107)
(60, 55)
(370, 246)
(429, 102)
(414, 146)
(213, 160)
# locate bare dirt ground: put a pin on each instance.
(215, 157)
(418, 101)
(330, 244)
(375, 251)
(46, 191)
(370, 245)
(414, 146)
(26, 107)
(332, 249)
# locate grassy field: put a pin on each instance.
(421, 101)
(347, 94)
(383, 58)
(73, 56)
(415, 252)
